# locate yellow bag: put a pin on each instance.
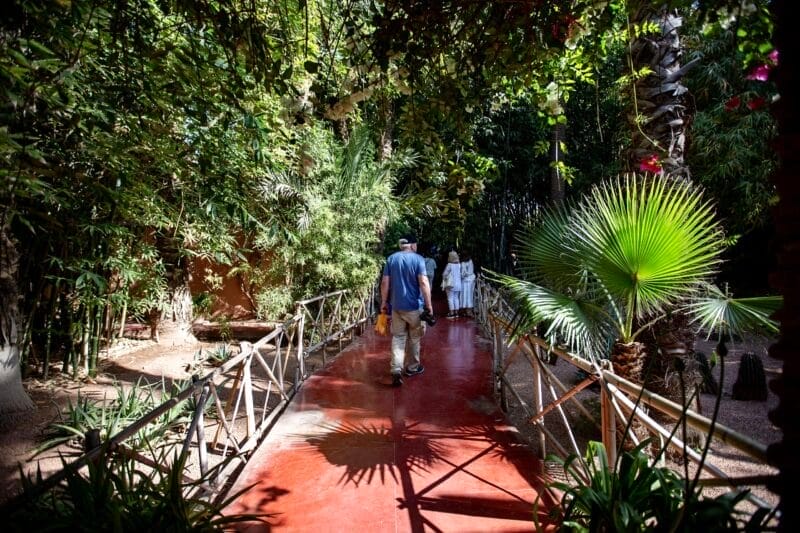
(382, 324)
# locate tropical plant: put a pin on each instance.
(660, 112)
(316, 246)
(110, 417)
(601, 272)
(209, 358)
(637, 495)
(117, 494)
(219, 355)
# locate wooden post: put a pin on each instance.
(495, 353)
(608, 425)
(247, 383)
(234, 391)
(301, 355)
(201, 430)
(537, 399)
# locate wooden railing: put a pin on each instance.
(619, 400)
(248, 392)
(328, 318)
(245, 395)
(233, 406)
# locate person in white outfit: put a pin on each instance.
(467, 304)
(451, 283)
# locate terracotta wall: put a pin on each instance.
(230, 300)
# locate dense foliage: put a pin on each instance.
(281, 142)
(139, 139)
(284, 142)
(117, 494)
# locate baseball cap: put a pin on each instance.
(409, 238)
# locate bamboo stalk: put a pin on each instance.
(123, 318)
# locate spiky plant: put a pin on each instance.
(638, 495)
(117, 494)
(110, 416)
(600, 272)
(603, 270)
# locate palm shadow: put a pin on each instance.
(399, 452)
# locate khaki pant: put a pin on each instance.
(407, 330)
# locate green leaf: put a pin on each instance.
(719, 313)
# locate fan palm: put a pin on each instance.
(600, 272)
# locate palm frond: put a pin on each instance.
(548, 253)
(718, 312)
(361, 172)
(648, 241)
(358, 153)
(288, 197)
(574, 321)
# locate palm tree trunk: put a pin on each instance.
(659, 128)
(659, 123)
(627, 360)
(661, 110)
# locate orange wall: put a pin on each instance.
(230, 300)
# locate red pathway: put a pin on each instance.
(351, 453)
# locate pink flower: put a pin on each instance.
(773, 57)
(650, 164)
(733, 104)
(759, 73)
(756, 103)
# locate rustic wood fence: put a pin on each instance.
(619, 400)
(232, 407)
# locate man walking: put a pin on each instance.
(405, 278)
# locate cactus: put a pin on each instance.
(751, 382)
(709, 384)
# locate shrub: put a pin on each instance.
(109, 418)
(117, 494)
(636, 495)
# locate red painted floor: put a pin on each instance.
(351, 453)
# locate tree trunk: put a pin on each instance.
(14, 401)
(670, 355)
(660, 102)
(557, 183)
(386, 142)
(671, 369)
(176, 327)
(659, 122)
(627, 360)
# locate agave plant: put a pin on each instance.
(601, 271)
(119, 494)
(110, 416)
(640, 496)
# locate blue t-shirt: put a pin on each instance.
(403, 269)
